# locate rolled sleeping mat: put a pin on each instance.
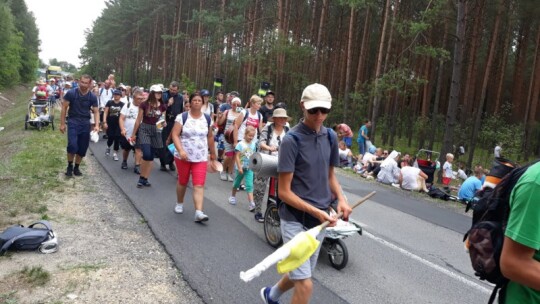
(499, 168)
(263, 165)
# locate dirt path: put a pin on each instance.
(107, 252)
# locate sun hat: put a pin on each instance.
(156, 88)
(316, 96)
(213, 166)
(68, 83)
(280, 113)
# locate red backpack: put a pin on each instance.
(41, 93)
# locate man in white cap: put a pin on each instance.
(305, 189)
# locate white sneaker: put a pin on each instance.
(223, 176)
(200, 217)
(108, 151)
(251, 207)
(396, 185)
(179, 208)
(115, 157)
(230, 178)
(232, 200)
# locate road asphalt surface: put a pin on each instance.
(411, 250)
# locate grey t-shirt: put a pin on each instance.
(310, 158)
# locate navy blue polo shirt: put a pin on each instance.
(80, 106)
(309, 157)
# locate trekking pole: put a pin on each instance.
(295, 252)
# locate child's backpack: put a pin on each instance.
(19, 237)
(41, 93)
(438, 193)
(491, 209)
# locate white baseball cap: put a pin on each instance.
(316, 96)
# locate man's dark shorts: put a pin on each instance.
(78, 138)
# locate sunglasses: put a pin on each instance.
(315, 110)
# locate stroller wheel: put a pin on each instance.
(52, 122)
(272, 226)
(39, 126)
(337, 253)
(26, 122)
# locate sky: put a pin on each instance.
(61, 25)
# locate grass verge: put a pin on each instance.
(30, 163)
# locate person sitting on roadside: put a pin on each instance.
(345, 155)
(471, 185)
(461, 172)
(374, 164)
(405, 160)
(389, 173)
(412, 178)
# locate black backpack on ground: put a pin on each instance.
(19, 237)
(491, 209)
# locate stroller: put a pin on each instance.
(40, 114)
(426, 160)
(333, 244)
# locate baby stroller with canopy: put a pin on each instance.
(40, 113)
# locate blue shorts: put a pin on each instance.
(288, 230)
(78, 138)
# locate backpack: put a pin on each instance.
(435, 192)
(228, 134)
(271, 133)
(491, 209)
(208, 119)
(41, 93)
(221, 127)
(19, 237)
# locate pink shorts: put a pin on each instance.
(229, 153)
(197, 170)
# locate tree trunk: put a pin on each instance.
(519, 71)
(487, 72)
(378, 71)
(348, 66)
(455, 84)
(504, 61)
(363, 50)
(532, 99)
(472, 66)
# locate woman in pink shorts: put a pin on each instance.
(192, 137)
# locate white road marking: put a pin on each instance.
(428, 263)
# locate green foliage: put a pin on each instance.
(26, 175)
(10, 48)
(188, 84)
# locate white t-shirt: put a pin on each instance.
(276, 140)
(131, 116)
(252, 120)
(367, 157)
(447, 167)
(344, 153)
(410, 176)
(104, 96)
(194, 138)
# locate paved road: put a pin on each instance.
(411, 251)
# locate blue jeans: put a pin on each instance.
(362, 147)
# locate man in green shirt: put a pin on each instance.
(520, 258)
